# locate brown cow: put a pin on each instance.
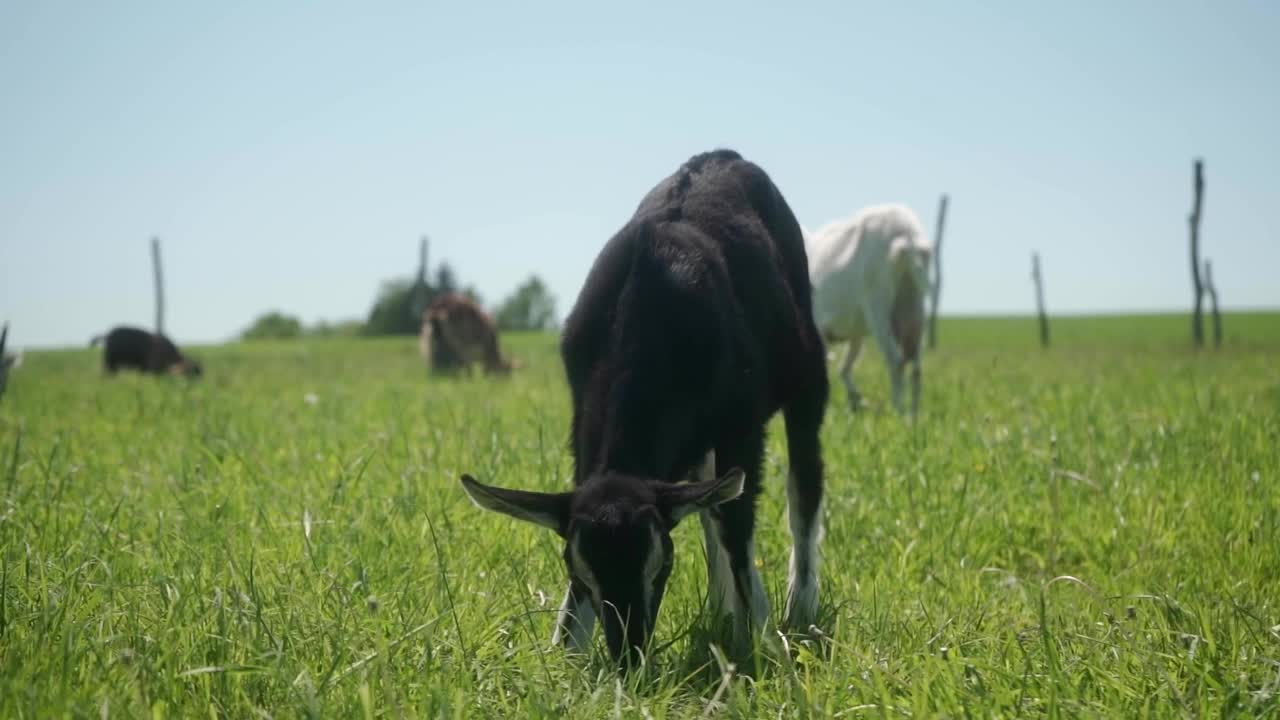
(457, 332)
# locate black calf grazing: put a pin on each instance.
(128, 348)
(693, 328)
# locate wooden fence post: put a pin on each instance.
(159, 277)
(1039, 280)
(420, 294)
(1213, 303)
(937, 272)
(4, 361)
(1197, 312)
(422, 262)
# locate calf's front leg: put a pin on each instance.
(893, 359)
(576, 620)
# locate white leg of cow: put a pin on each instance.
(897, 380)
(846, 372)
(802, 575)
(729, 592)
(915, 387)
(759, 599)
(878, 319)
(576, 620)
(720, 594)
(740, 589)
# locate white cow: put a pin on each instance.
(870, 274)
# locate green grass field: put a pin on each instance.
(1088, 531)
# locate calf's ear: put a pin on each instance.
(550, 510)
(679, 499)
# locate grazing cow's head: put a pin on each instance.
(617, 532)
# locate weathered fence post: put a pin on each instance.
(1039, 280)
(159, 276)
(420, 292)
(4, 361)
(422, 262)
(1213, 303)
(1197, 313)
(937, 272)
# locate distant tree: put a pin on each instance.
(530, 307)
(273, 326)
(392, 312)
(342, 328)
(471, 292)
(398, 308)
(446, 281)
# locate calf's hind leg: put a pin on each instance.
(804, 497)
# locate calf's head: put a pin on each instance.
(617, 534)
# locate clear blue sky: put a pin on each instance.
(290, 154)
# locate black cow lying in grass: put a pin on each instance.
(693, 328)
(128, 348)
